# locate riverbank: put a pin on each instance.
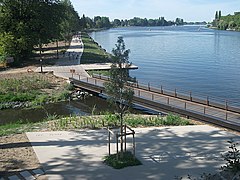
(93, 52)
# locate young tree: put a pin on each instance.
(117, 88)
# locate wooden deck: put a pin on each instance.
(157, 99)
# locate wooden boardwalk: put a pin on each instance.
(160, 100)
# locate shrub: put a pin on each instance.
(232, 158)
(127, 160)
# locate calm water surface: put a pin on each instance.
(188, 58)
(80, 107)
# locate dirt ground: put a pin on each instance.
(16, 154)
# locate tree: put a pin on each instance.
(216, 15)
(116, 22)
(117, 88)
(31, 23)
(83, 22)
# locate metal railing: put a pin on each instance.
(175, 99)
(221, 103)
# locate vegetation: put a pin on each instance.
(103, 22)
(55, 123)
(127, 160)
(18, 127)
(231, 169)
(99, 72)
(31, 89)
(232, 158)
(116, 87)
(93, 53)
(27, 24)
(229, 22)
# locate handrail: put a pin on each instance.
(159, 102)
(203, 99)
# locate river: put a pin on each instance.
(92, 105)
(188, 58)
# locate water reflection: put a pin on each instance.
(82, 107)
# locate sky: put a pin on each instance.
(189, 10)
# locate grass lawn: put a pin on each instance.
(93, 53)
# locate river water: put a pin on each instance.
(188, 58)
(90, 105)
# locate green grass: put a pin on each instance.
(169, 120)
(22, 89)
(30, 89)
(111, 120)
(127, 160)
(55, 123)
(92, 52)
(99, 72)
(20, 127)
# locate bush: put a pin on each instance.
(232, 158)
(127, 160)
(175, 120)
(111, 119)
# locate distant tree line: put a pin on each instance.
(25, 24)
(104, 22)
(229, 22)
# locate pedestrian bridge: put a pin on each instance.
(214, 111)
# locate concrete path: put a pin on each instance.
(69, 61)
(165, 152)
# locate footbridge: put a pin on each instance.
(221, 113)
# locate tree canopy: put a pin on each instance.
(104, 22)
(28, 23)
(229, 22)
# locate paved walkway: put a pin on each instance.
(165, 152)
(69, 61)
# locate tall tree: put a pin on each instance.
(216, 15)
(219, 14)
(117, 88)
(35, 22)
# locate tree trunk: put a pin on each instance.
(57, 49)
(40, 51)
(121, 132)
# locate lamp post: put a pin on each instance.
(41, 65)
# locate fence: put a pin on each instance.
(184, 95)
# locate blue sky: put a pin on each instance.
(189, 10)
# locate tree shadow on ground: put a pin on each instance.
(165, 153)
